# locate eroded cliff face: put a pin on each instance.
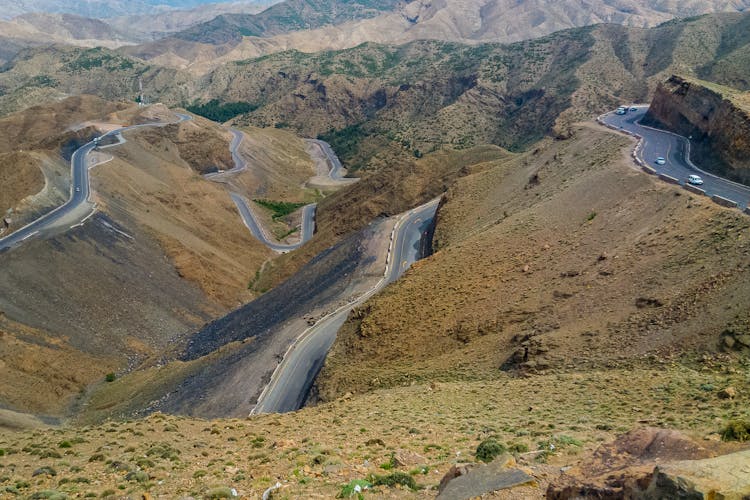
(716, 118)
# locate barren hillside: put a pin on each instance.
(550, 262)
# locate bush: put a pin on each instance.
(221, 112)
(489, 449)
(110, 377)
(736, 430)
(393, 479)
(279, 208)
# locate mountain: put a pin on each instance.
(226, 31)
(153, 26)
(98, 9)
(468, 21)
(378, 103)
(39, 28)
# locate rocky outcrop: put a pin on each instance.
(726, 477)
(717, 119)
(619, 469)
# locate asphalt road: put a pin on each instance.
(294, 376)
(675, 150)
(333, 161)
(246, 213)
(78, 207)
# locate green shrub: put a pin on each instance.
(221, 112)
(279, 208)
(110, 377)
(489, 449)
(354, 487)
(736, 430)
(221, 492)
(393, 479)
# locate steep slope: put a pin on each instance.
(552, 418)
(165, 253)
(550, 262)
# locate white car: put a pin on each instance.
(695, 180)
(660, 161)
(78, 190)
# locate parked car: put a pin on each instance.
(633, 109)
(695, 180)
(660, 161)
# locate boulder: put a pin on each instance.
(405, 458)
(617, 469)
(726, 477)
(466, 481)
(728, 393)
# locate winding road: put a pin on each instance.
(294, 376)
(245, 208)
(78, 207)
(675, 149)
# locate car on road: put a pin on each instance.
(660, 161)
(78, 190)
(695, 180)
(633, 109)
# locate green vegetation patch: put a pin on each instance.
(279, 208)
(220, 112)
(489, 449)
(736, 430)
(99, 58)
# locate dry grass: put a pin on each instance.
(315, 451)
(589, 259)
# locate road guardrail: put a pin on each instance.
(669, 179)
(720, 200)
(694, 190)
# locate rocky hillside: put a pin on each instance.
(378, 102)
(548, 262)
(165, 253)
(238, 37)
(716, 118)
(512, 348)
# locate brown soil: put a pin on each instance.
(315, 451)
(195, 220)
(390, 191)
(42, 374)
(553, 261)
(20, 176)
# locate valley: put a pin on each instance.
(373, 249)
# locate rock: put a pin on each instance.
(726, 477)
(464, 482)
(405, 458)
(727, 393)
(616, 469)
(525, 268)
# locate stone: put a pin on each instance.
(405, 458)
(468, 481)
(726, 477)
(727, 393)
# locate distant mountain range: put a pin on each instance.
(315, 25)
(98, 9)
